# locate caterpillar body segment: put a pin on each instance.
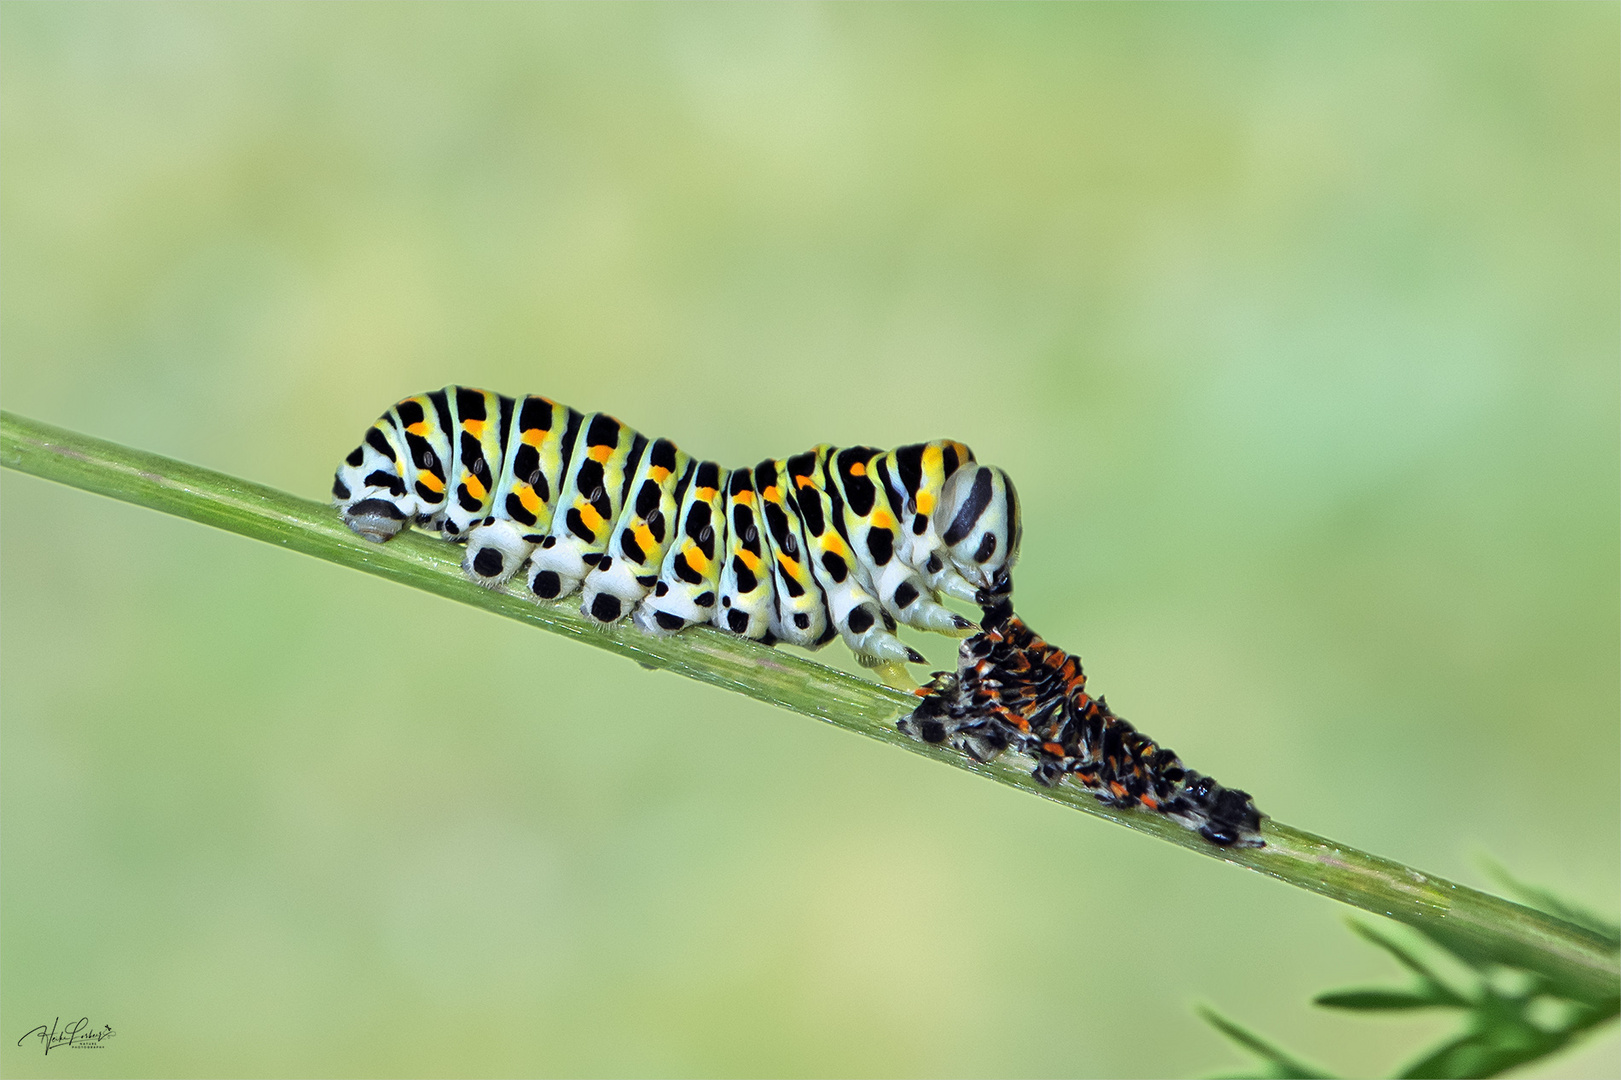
(396, 476)
(746, 585)
(855, 612)
(369, 489)
(828, 543)
(539, 447)
(913, 478)
(606, 457)
(799, 615)
(629, 569)
(422, 425)
(688, 588)
(875, 529)
(477, 436)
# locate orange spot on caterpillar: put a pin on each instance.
(696, 559)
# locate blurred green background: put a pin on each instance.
(1297, 326)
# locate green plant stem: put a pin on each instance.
(1462, 917)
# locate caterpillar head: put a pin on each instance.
(369, 492)
(980, 511)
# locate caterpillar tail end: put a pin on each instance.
(377, 520)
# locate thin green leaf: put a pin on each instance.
(1283, 1065)
(1458, 1057)
(1431, 982)
(1597, 1012)
(1376, 1000)
(1502, 1021)
(1481, 953)
(1546, 900)
(1507, 1026)
(1483, 1054)
(1587, 1015)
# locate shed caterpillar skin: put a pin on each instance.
(833, 542)
(1014, 691)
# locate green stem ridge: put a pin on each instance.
(1465, 919)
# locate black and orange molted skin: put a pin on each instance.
(1014, 691)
